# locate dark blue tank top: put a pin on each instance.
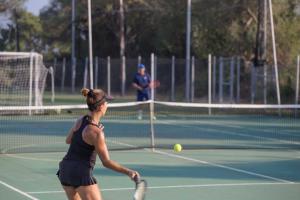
(79, 150)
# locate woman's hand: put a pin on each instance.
(134, 175)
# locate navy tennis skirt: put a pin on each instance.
(75, 174)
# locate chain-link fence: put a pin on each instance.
(233, 80)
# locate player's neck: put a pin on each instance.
(95, 116)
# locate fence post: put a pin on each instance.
(221, 80)
(54, 64)
(151, 105)
(297, 83)
(232, 64)
(63, 75)
(238, 79)
(173, 79)
(108, 77)
(274, 54)
(193, 79)
(123, 75)
(139, 60)
(253, 83)
(96, 71)
(214, 78)
(85, 74)
(73, 74)
(155, 73)
(265, 76)
(209, 82)
(152, 75)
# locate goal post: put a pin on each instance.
(22, 79)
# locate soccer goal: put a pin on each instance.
(22, 79)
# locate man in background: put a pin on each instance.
(141, 83)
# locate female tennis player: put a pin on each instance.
(86, 139)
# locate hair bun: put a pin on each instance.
(84, 91)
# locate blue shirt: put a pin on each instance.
(143, 81)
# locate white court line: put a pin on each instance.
(18, 191)
(57, 161)
(224, 167)
(178, 186)
(31, 158)
(4, 151)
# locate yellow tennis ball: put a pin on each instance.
(177, 147)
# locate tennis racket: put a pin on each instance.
(154, 84)
(140, 189)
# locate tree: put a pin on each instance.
(224, 28)
(23, 31)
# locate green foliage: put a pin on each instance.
(30, 32)
(29, 28)
(226, 28)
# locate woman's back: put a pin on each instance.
(79, 150)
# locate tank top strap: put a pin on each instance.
(89, 122)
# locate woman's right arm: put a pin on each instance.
(101, 148)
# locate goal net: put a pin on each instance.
(22, 79)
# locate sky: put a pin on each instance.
(34, 6)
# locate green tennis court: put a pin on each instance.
(231, 153)
(194, 174)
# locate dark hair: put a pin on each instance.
(94, 98)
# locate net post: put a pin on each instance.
(63, 75)
(151, 107)
(209, 82)
(297, 84)
(152, 104)
(108, 76)
(173, 79)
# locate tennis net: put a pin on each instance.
(195, 126)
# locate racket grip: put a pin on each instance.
(136, 179)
